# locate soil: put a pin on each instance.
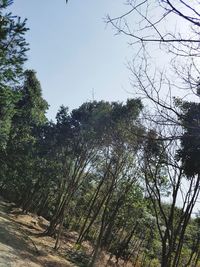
(20, 245)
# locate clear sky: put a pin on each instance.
(76, 56)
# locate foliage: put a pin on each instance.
(99, 169)
(190, 141)
(13, 48)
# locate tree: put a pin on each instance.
(164, 177)
(174, 119)
(8, 100)
(153, 15)
(21, 149)
(172, 29)
(190, 141)
(13, 48)
(75, 149)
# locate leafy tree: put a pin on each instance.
(190, 141)
(13, 48)
(22, 145)
(8, 100)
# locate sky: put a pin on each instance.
(77, 56)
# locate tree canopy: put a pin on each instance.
(121, 176)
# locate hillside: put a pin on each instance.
(22, 246)
(19, 244)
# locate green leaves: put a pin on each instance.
(8, 101)
(13, 49)
(25, 124)
(190, 141)
(13, 46)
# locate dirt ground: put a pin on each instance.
(19, 244)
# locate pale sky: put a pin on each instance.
(76, 56)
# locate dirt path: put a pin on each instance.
(21, 244)
(19, 247)
(13, 245)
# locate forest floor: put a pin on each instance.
(20, 245)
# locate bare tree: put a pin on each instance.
(152, 21)
(171, 28)
(164, 32)
(166, 183)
